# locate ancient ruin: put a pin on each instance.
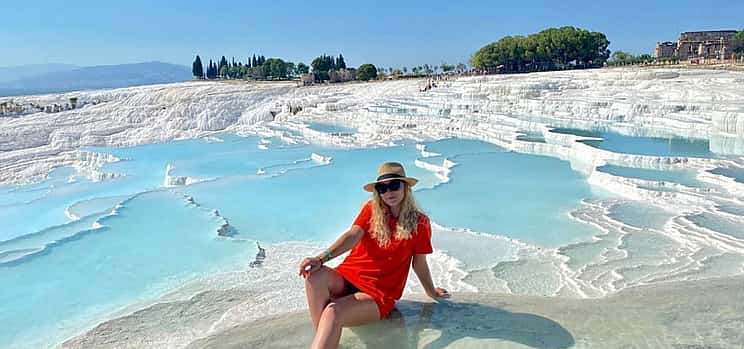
(700, 45)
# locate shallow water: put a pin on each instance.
(654, 146)
(135, 254)
(736, 173)
(640, 215)
(516, 189)
(330, 128)
(686, 178)
(681, 315)
(710, 221)
(503, 217)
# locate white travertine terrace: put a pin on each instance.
(702, 104)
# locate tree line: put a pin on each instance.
(621, 58)
(260, 68)
(550, 49)
(255, 67)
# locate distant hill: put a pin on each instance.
(96, 77)
(30, 70)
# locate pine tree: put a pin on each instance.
(254, 61)
(340, 64)
(223, 64)
(197, 68)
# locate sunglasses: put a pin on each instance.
(382, 188)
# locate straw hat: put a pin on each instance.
(388, 172)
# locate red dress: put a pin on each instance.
(381, 272)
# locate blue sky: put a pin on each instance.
(387, 33)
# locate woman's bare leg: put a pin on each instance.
(352, 310)
(320, 287)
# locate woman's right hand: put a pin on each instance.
(310, 265)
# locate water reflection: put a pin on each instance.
(438, 325)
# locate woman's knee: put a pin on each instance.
(326, 278)
(318, 278)
(331, 314)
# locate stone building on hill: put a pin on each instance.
(705, 44)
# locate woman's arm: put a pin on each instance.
(424, 275)
(345, 242)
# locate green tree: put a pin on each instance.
(645, 58)
(740, 37)
(275, 68)
(291, 69)
(259, 72)
(447, 67)
(550, 49)
(321, 65)
(340, 63)
(302, 68)
(197, 68)
(621, 58)
(214, 72)
(223, 64)
(366, 72)
(233, 72)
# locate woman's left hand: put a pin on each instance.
(439, 293)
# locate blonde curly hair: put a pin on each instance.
(407, 219)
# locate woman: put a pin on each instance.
(389, 235)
